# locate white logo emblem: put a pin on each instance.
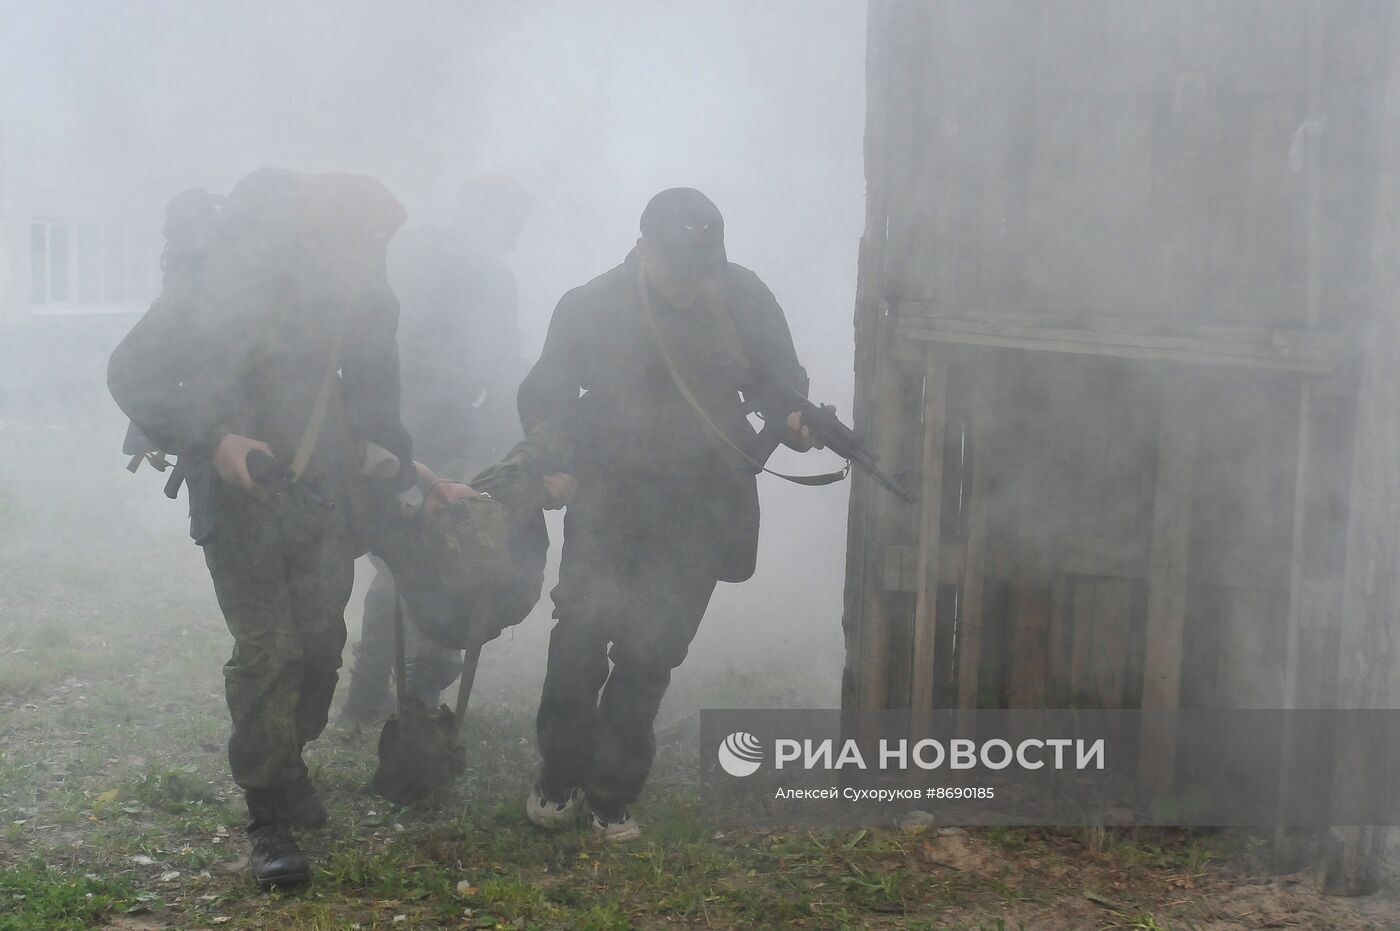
(740, 754)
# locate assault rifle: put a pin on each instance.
(828, 430)
(266, 470)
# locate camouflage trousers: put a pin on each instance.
(282, 573)
(635, 600)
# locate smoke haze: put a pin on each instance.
(593, 108)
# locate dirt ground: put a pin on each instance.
(116, 811)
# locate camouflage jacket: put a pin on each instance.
(246, 352)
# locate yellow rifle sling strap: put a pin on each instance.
(825, 478)
(312, 434)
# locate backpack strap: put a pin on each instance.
(312, 434)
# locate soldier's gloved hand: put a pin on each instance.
(800, 437)
(231, 458)
(562, 488)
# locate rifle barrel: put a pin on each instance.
(842, 440)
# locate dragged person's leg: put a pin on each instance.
(370, 699)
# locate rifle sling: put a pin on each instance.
(312, 434)
(824, 478)
(813, 481)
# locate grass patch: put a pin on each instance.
(34, 897)
(115, 797)
(177, 791)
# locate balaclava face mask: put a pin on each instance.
(682, 244)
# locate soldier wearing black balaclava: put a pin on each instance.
(672, 349)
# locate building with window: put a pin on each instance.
(79, 261)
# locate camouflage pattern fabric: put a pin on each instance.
(515, 481)
(283, 574)
(481, 568)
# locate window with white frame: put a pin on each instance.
(84, 264)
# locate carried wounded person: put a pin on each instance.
(459, 343)
(461, 577)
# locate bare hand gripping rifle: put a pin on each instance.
(828, 430)
(819, 419)
(266, 470)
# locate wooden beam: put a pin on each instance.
(914, 313)
(881, 527)
(930, 523)
(859, 604)
(1108, 657)
(1370, 591)
(1098, 556)
(1079, 617)
(1061, 654)
(973, 582)
(1075, 555)
(1299, 351)
(1022, 439)
(1030, 630)
(1289, 853)
(1177, 438)
(1367, 651)
(1319, 545)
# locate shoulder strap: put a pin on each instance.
(824, 478)
(312, 434)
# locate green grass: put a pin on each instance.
(35, 897)
(1178, 851)
(177, 791)
(115, 797)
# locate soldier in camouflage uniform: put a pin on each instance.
(672, 349)
(291, 288)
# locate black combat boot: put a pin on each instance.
(302, 806)
(274, 856)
